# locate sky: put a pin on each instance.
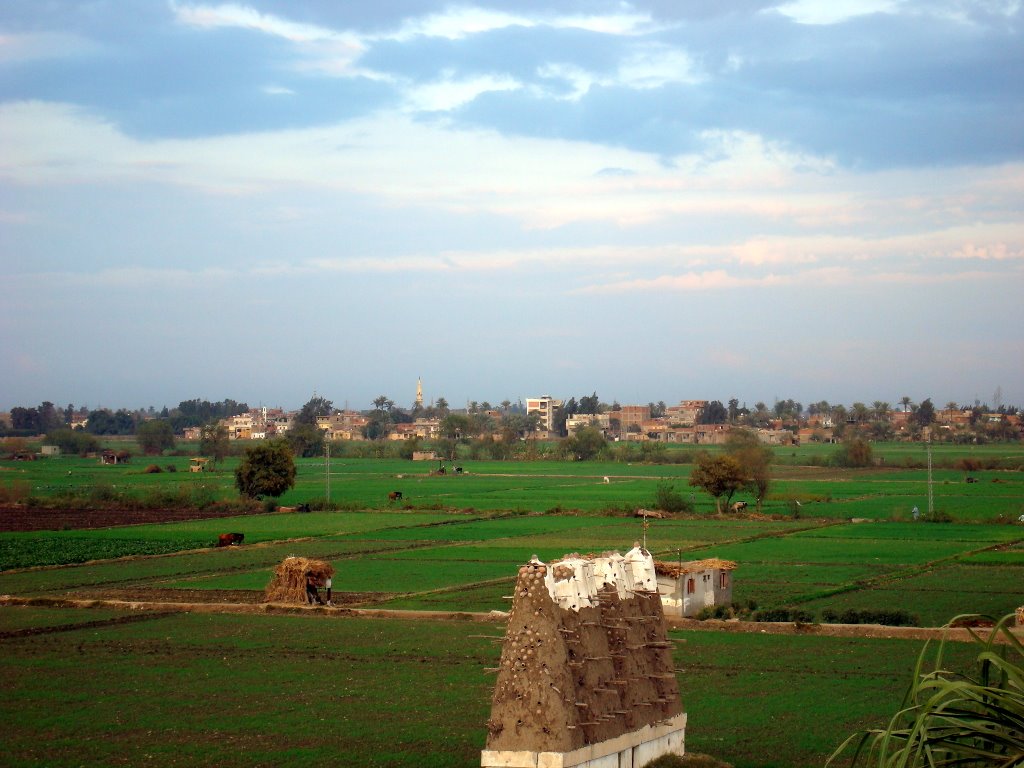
(817, 200)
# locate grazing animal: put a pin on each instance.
(458, 470)
(606, 479)
(739, 505)
(972, 479)
(395, 496)
(230, 539)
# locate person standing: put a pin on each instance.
(312, 593)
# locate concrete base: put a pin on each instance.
(631, 750)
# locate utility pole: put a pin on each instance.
(327, 465)
(931, 494)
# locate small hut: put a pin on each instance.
(687, 588)
(289, 582)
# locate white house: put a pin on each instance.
(688, 588)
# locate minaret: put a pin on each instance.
(419, 393)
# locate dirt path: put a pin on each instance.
(16, 518)
(494, 617)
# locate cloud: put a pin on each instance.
(40, 46)
(645, 67)
(458, 22)
(833, 11)
(451, 92)
(322, 50)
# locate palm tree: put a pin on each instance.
(905, 401)
(880, 408)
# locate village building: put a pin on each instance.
(545, 408)
(688, 588)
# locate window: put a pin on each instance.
(723, 579)
(690, 587)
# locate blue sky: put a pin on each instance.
(651, 200)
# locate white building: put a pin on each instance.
(689, 588)
(545, 408)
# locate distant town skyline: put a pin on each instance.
(816, 199)
(993, 401)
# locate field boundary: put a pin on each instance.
(956, 634)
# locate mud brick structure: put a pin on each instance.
(586, 675)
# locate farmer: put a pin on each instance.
(916, 513)
(327, 583)
(312, 593)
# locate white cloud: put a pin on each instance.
(834, 11)
(450, 92)
(43, 45)
(277, 90)
(322, 50)
(646, 67)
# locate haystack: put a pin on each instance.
(675, 570)
(289, 582)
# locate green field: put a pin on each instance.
(100, 687)
(888, 492)
(189, 690)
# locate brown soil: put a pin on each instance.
(17, 518)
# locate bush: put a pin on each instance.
(667, 498)
(715, 612)
(855, 452)
(797, 615)
(152, 469)
(888, 618)
(171, 468)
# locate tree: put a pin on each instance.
(720, 476)
(854, 452)
(713, 413)
(925, 413)
(266, 470)
(315, 408)
(905, 401)
(586, 443)
(755, 458)
(734, 410)
(71, 441)
(214, 442)
(305, 440)
(589, 404)
(155, 436)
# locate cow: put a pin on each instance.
(395, 496)
(230, 539)
(972, 480)
(458, 470)
(738, 506)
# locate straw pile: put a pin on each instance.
(289, 582)
(675, 570)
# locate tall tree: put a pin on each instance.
(155, 436)
(316, 407)
(720, 476)
(267, 469)
(214, 442)
(755, 458)
(925, 413)
(713, 413)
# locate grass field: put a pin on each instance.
(189, 690)
(888, 492)
(100, 687)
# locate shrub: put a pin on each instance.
(152, 469)
(855, 452)
(949, 718)
(171, 468)
(967, 464)
(797, 615)
(715, 612)
(889, 618)
(667, 498)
